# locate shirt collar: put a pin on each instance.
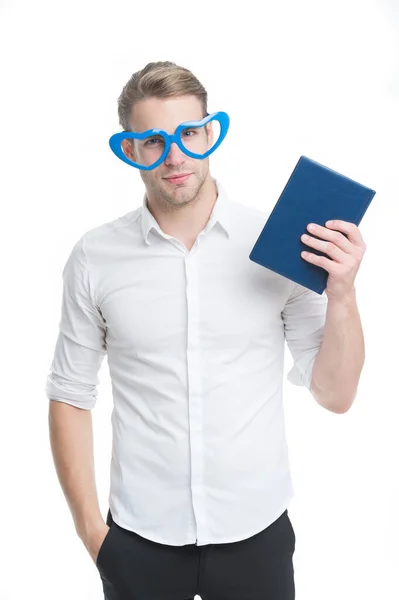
(220, 214)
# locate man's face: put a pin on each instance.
(167, 114)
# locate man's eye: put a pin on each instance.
(152, 141)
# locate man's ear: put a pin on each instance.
(128, 148)
(210, 134)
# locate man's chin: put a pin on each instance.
(181, 199)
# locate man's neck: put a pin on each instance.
(185, 223)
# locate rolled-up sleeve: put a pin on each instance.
(304, 318)
(81, 344)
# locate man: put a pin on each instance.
(194, 333)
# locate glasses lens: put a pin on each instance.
(201, 139)
(144, 152)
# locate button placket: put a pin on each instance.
(195, 390)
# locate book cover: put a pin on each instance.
(314, 193)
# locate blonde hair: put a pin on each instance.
(158, 80)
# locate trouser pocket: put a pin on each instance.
(107, 544)
(291, 530)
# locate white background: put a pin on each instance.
(311, 77)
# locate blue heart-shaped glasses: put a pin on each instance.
(115, 141)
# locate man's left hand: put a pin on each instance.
(346, 254)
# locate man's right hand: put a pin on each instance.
(94, 540)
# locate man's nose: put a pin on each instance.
(175, 156)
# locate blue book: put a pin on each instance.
(313, 194)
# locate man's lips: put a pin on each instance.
(178, 178)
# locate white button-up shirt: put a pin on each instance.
(195, 347)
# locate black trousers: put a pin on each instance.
(257, 568)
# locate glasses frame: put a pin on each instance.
(115, 140)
